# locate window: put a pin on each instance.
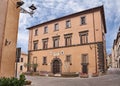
(45, 43)
(84, 58)
(68, 59)
(45, 29)
(83, 37)
(56, 27)
(21, 59)
(83, 20)
(36, 32)
(68, 39)
(21, 67)
(35, 60)
(44, 60)
(68, 24)
(35, 45)
(56, 41)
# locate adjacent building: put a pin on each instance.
(109, 61)
(9, 16)
(116, 51)
(73, 43)
(22, 64)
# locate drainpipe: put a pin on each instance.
(95, 42)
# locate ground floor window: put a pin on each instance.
(44, 60)
(21, 67)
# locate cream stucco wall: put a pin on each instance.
(9, 17)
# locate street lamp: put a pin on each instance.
(32, 7)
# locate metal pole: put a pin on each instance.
(16, 69)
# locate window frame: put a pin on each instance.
(44, 60)
(21, 59)
(84, 58)
(68, 37)
(68, 24)
(54, 44)
(68, 59)
(45, 46)
(45, 29)
(21, 67)
(35, 60)
(56, 27)
(85, 35)
(36, 32)
(35, 45)
(83, 20)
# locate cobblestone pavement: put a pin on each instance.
(111, 79)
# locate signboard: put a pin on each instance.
(57, 53)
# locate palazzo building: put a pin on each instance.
(9, 18)
(73, 43)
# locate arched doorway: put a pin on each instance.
(56, 65)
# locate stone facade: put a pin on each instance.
(116, 51)
(73, 43)
(22, 63)
(9, 17)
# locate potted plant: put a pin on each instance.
(84, 75)
(95, 74)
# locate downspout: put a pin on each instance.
(95, 44)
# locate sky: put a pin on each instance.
(52, 9)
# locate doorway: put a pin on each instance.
(85, 68)
(56, 66)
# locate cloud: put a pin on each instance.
(51, 9)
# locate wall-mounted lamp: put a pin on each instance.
(22, 10)
(32, 7)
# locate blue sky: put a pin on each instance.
(51, 9)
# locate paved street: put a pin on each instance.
(111, 79)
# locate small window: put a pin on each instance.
(21, 59)
(35, 45)
(56, 27)
(68, 24)
(56, 41)
(84, 58)
(36, 32)
(68, 39)
(83, 20)
(68, 59)
(44, 60)
(21, 67)
(35, 60)
(45, 29)
(83, 37)
(45, 43)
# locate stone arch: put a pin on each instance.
(56, 65)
